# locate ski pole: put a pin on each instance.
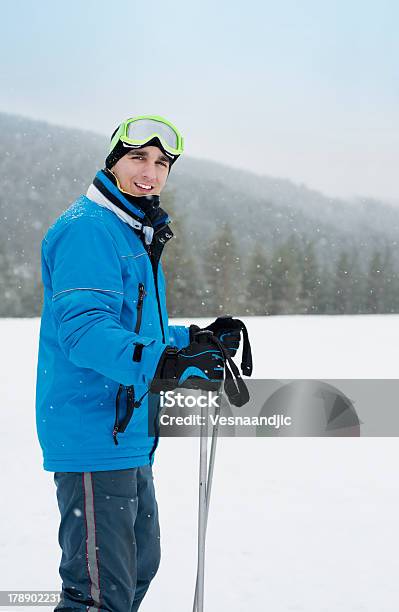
(238, 395)
(202, 502)
(208, 488)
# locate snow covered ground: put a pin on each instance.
(295, 525)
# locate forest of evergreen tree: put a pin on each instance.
(286, 279)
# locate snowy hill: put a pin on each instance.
(43, 168)
(296, 525)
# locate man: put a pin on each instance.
(105, 342)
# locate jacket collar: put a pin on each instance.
(142, 213)
(96, 196)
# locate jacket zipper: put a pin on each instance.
(130, 403)
(116, 424)
(139, 308)
(155, 270)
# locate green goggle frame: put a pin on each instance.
(137, 131)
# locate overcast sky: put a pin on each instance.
(305, 90)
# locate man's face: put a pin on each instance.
(141, 168)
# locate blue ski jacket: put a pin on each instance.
(104, 326)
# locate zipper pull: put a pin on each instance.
(142, 293)
(130, 395)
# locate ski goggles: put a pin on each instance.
(137, 131)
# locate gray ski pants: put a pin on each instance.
(109, 536)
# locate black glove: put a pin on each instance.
(200, 365)
(228, 331)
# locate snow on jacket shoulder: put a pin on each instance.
(100, 338)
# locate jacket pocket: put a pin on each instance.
(120, 425)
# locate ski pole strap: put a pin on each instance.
(234, 386)
(228, 323)
(246, 360)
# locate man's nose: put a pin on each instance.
(149, 170)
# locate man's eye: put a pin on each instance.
(162, 163)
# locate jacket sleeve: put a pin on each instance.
(179, 336)
(87, 300)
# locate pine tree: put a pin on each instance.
(182, 275)
(10, 289)
(310, 294)
(258, 293)
(375, 284)
(342, 285)
(223, 275)
(286, 278)
(391, 283)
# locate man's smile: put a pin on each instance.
(144, 186)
